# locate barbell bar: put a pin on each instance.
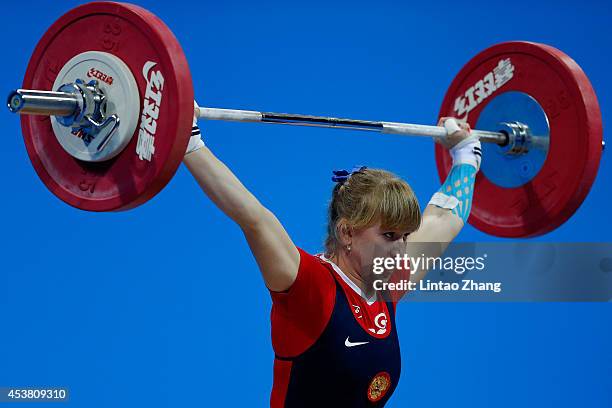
(64, 104)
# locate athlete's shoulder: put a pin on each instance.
(307, 257)
(300, 313)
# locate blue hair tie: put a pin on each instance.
(340, 176)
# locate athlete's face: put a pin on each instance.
(376, 242)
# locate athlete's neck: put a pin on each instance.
(351, 272)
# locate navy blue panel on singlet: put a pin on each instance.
(330, 374)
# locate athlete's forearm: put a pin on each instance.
(454, 198)
(457, 191)
(223, 187)
(447, 211)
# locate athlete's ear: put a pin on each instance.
(345, 232)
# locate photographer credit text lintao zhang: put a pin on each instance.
(458, 265)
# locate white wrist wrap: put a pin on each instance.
(195, 142)
(467, 151)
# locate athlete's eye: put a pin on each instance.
(389, 235)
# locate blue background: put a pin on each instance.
(173, 312)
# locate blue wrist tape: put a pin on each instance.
(457, 191)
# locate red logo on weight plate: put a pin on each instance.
(97, 74)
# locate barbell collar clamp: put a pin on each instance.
(79, 105)
(520, 139)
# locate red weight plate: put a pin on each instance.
(560, 86)
(136, 36)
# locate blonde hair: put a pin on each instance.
(367, 197)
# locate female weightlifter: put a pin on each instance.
(334, 337)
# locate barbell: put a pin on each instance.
(107, 102)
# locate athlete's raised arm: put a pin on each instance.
(275, 253)
(449, 208)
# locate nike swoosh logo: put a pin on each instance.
(349, 343)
